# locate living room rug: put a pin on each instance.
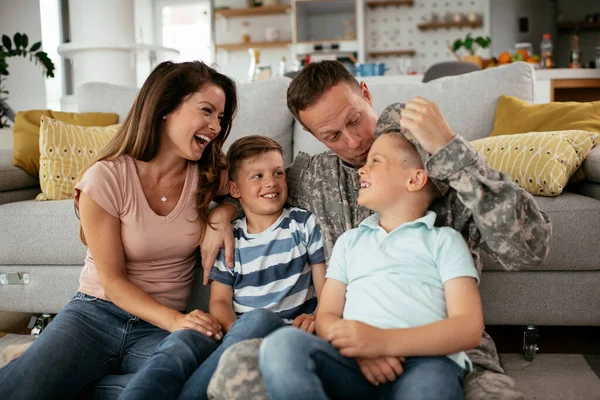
(547, 377)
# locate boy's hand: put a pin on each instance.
(356, 339)
(305, 322)
(381, 369)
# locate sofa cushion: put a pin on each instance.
(591, 165)
(65, 150)
(41, 233)
(19, 195)
(105, 97)
(262, 110)
(539, 162)
(467, 101)
(518, 116)
(575, 233)
(11, 177)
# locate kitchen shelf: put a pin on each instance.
(373, 54)
(383, 3)
(579, 25)
(253, 11)
(253, 45)
(448, 25)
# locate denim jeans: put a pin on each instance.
(297, 365)
(182, 365)
(88, 340)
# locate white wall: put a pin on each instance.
(26, 82)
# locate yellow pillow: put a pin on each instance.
(65, 150)
(26, 133)
(517, 116)
(539, 162)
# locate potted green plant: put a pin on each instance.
(18, 47)
(471, 44)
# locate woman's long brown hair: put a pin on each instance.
(168, 85)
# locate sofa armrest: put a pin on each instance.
(6, 139)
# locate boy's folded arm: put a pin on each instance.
(221, 304)
(461, 331)
(331, 305)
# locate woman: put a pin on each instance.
(143, 207)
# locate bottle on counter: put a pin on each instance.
(598, 55)
(546, 51)
(575, 52)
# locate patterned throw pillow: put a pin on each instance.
(65, 150)
(26, 133)
(539, 162)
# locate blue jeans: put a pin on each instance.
(182, 365)
(297, 365)
(88, 340)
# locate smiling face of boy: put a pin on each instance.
(392, 171)
(260, 184)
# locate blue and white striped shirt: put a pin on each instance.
(273, 268)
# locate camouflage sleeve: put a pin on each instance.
(296, 181)
(236, 203)
(513, 229)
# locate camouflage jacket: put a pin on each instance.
(484, 205)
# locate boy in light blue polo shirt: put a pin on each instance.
(400, 304)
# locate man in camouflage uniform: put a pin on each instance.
(491, 213)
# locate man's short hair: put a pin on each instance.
(248, 147)
(313, 81)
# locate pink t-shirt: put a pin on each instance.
(159, 250)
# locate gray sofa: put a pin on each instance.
(40, 239)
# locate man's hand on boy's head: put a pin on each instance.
(356, 339)
(425, 121)
(381, 369)
(305, 322)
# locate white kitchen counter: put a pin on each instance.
(567, 73)
(546, 81)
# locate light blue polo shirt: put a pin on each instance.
(396, 279)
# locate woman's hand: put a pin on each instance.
(217, 237)
(200, 321)
(381, 369)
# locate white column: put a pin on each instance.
(102, 42)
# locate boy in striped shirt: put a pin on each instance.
(278, 274)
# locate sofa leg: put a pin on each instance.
(38, 324)
(530, 342)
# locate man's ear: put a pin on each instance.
(366, 93)
(417, 181)
(233, 190)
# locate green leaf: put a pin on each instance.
(35, 47)
(469, 43)
(25, 40)
(457, 44)
(6, 42)
(18, 39)
(483, 43)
